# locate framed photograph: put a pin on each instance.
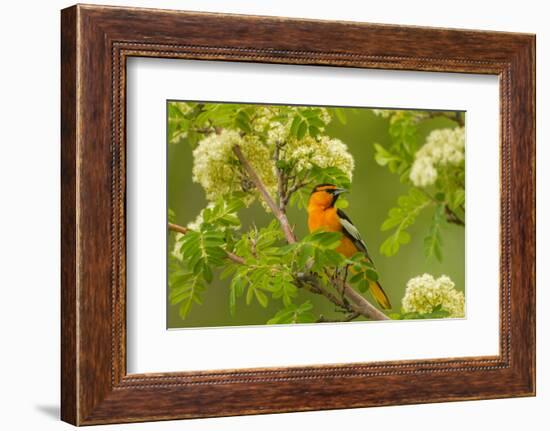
(264, 214)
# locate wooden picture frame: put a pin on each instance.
(95, 43)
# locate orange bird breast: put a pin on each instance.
(329, 220)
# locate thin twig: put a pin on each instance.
(454, 116)
(178, 228)
(313, 284)
(280, 178)
(452, 217)
(292, 190)
(358, 303)
(348, 318)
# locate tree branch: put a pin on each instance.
(454, 116)
(280, 178)
(279, 215)
(178, 228)
(183, 230)
(363, 306)
(359, 303)
(452, 217)
(293, 189)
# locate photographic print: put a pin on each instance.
(286, 214)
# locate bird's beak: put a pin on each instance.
(337, 192)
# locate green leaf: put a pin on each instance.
(184, 290)
(249, 295)
(403, 237)
(307, 251)
(356, 278)
(294, 126)
(330, 175)
(314, 131)
(171, 215)
(340, 114)
(294, 314)
(383, 156)
(242, 121)
(315, 122)
(232, 301)
(326, 239)
(371, 275)
(403, 131)
(261, 297)
(433, 241)
(334, 258)
(302, 129)
(400, 218)
(458, 198)
(311, 113)
(363, 285)
(207, 274)
(342, 203)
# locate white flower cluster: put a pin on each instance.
(443, 147)
(424, 293)
(322, 151)
(325, 116)
(263, 118)
(383, 113)
(176, 251)
(216, 167)
(182, 106)
(217, 170)
(277, 132)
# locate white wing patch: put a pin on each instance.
(353, 232)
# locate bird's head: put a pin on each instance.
(324, 196)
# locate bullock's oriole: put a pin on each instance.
(323, 215)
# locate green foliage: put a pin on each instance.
(433, 241)
(315, 252)
(185, 288)
(171, 216)
(202, 251)
(400, 218)
(270, 268)
(362, 272)
(306, 121)
(294, 314)
(445, 197)
(224, 212)
(264, 272)
(319, 175)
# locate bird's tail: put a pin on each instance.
(379, 295)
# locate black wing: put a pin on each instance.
(352, 232)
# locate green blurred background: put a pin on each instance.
(374, 191)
